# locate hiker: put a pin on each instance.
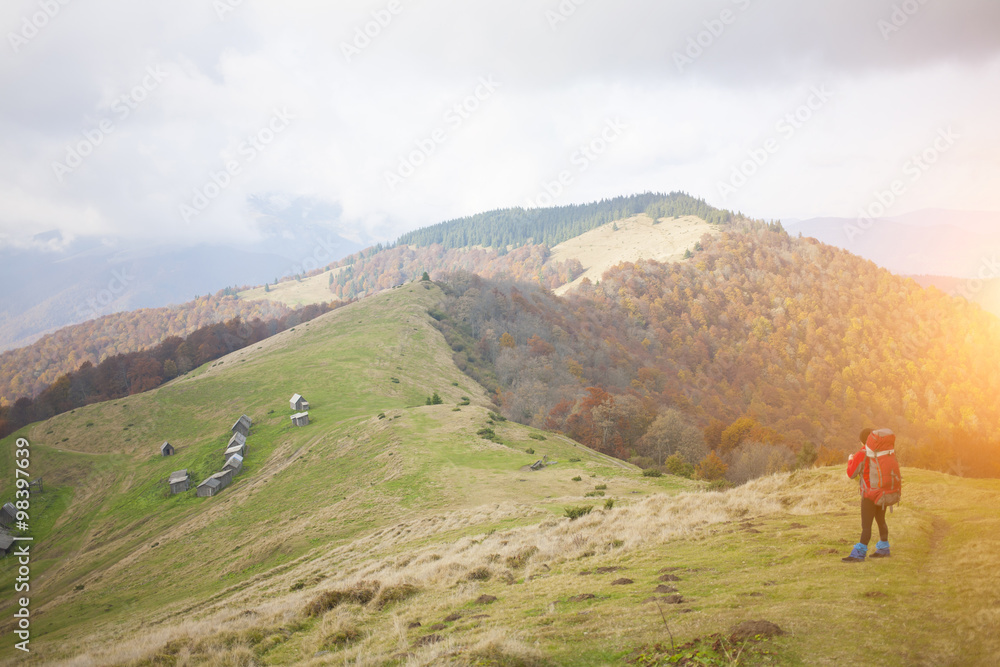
(877, 470)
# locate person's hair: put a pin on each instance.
(864, 435)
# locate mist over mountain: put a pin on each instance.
(958, 244)
(52, 282)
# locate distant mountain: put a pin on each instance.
(49, 283)
(935, 242)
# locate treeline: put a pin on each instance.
(369, 272)
(134, 372)
(761, 353)
(28, 370)
(514, 227)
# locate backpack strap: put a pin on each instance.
(877, 455)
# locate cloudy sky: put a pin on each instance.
(195, 120)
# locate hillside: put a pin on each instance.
(551, 226)
(986, 292)
(631, 240)
(52, 281)
(306, 291)
(409, 540)
(304, 492)
(27, 370)
(775, 348)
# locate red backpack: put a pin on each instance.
(881, 480)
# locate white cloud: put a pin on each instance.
(353, 120)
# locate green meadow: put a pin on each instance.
(388, 532)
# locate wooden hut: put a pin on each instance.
(6, 544)
(179, 481)
(166, 449)
(209, 487)
(225, 476)
(298, 403)
(237, 439)
(242, 425)
(235, 463)
(301, 419)
(215, 483)
(235, 449)
(8, 515)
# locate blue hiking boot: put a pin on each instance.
(882, 550)
(858, 554)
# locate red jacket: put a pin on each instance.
(856, 468)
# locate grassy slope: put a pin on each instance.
(123, 549)
(636, 238)
(416, 498)
(295, 293)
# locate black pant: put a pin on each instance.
(872, 512)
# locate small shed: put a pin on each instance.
(209, 487)
(166, 449)
(8, 515)
(242, 425)
(6, 544)
(225, 476)
(237, 439)
(215, 483)
(235, 463)
(235, 449)
(301, 419)
(298, 403)
(179, 481)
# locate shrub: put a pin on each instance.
(341, 638)
(381, 415)
(601, 487)
(394, 380)
(574, 460)
(720, 485)
(393, 594)
(361, 593)
(642, 462)
(530, 450)
(520, 559)
(497, 417)
(711, 468)
(578, 479)
(676, 465)
(479, 574)
(652, 472)
(486, 432)
(537, 436)
(575, 513)
(594, 494)
(434, 399)
(609, 503)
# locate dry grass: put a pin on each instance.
(375, 577)
(636, 238)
